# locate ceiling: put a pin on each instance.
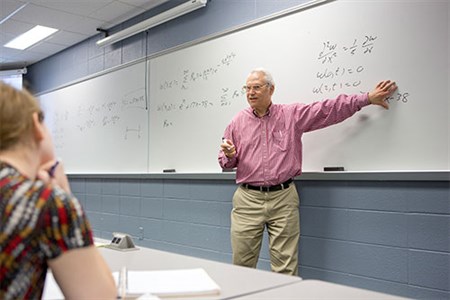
(75, 19)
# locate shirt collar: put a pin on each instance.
(266, 114)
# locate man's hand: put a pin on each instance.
(228, 148)
(382, 91)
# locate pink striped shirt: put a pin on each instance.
(269, 149)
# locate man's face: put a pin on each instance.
(259, 92)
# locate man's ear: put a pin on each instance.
(38, 128)
(272, 89)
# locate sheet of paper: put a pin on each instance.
(189, 282)
(51, 289)
(171, 282)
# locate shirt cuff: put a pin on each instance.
(365, 99)
(228, 163)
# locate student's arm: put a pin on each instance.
(82, 273)
(53, 172)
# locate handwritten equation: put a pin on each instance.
(182, 93)
(58, 130)
(108, 113)
(331, 51)
(87, 117)
(176, 95)
(227, 97)
(342, 67)
(398, 97)
(189, 77)
(336, 75)
(184, 105)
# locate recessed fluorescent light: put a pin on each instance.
(31, 37)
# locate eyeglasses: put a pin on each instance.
(256, 88)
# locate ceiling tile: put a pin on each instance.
(46, 47)
(7, 7)
(86, 26)
(4, 52)
(145, 4)
(45, 16)
(66, 38)
(78, 7)
(117, 12)
(15, 27)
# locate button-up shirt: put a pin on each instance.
(269, 148)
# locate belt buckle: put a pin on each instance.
(264, 189)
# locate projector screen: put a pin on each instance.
(15, 80)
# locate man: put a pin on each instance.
(264, 143)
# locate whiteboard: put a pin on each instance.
(101, 125)
(313, 54)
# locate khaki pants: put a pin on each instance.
(279, 212)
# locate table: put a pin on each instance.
(234, 281)
(317, 289)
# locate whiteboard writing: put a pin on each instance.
(193, 79)
(334, 76)
(334, 49)
(187, 77)
(101, 124)
(107, 114)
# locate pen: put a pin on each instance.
(123, 282)
(52, 170)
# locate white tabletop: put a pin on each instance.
(233, 280)
(316, 289)
(236, 282)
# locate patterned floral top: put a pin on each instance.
(38, 222)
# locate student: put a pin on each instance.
(42, 224)
(264, 143)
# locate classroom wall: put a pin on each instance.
(388, 236)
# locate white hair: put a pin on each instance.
(267, 76)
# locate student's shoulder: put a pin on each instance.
(16, 185)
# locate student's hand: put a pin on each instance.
(382, 91)
(228, 148)
(53, 172)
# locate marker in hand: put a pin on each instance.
(228, 148)
(224, 141)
